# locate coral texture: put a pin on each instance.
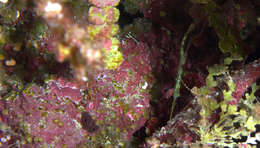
(129, 73)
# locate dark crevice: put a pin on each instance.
(253, 56)
(127, 18)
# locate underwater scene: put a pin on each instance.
(129, 73)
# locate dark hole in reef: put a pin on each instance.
(220, 2)
(257, 128)
(258, 143)
(138, 137)
(256, 54)
(253, 56)
(227, 128)
(140, 133)
(242, 139)
(126, 18)
(258, 81)
(236, 125)
(88, 123)
(252, 134)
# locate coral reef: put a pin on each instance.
(129, 73)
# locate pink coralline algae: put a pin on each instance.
(44, 116)
(244, 78)
(105, 73)
(104, 3)
(119, 99)
(62, 113)
(100, 16)
(179, 131)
